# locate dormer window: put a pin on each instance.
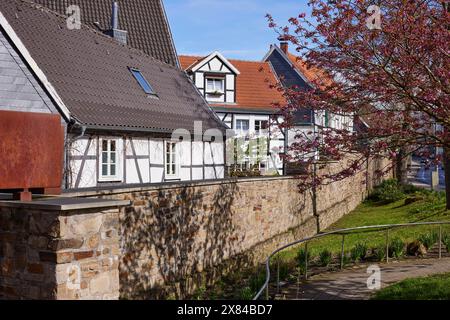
(142, 81)
(215, 86)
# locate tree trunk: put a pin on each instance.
(401, 167)
(447, 175)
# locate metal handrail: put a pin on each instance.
(344, 232)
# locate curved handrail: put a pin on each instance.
(338, 231)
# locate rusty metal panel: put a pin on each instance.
(31, 150)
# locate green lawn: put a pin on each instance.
(431, 207)
(435, 287)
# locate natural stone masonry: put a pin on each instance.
(173, 238)
(176, 237)
(49, 252)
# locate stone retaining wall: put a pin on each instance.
(176, 237)
(54, 254)
(171, 239)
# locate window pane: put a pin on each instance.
(105, 157)
(210, 85)
(113, 145)
(104, 170)
(113, 170)
(242, 125)
(104, 145)
(219, 85)
(173, 168)
(142, 81)
(113, 157)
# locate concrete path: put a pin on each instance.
(352, 283)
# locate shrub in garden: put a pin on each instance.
(246, 294)
(347, 259)
(396, 248)
(301, 258)
(358, 252)
(286, 267)
(428, 239)
(325, 258)
(380, 253)
(388, 191)
(446, 241)
(410, 189)
(256, 281)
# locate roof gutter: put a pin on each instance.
(22, 50)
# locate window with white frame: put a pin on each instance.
(215, 85)
(109, 166)
(242, 126)
(261, 126)
(171, 160)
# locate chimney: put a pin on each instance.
(115, 16)
(284, 44)
(115, 32)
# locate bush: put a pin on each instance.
(301, 258)
(246, 294)
(446, 241)
(199, 293)
(388, 191)
(380, 253)
(256, 281)
(346, 260)
(286, 267)
(410, 189)
(428, 239)
(396, 248)
(358, 252)
(325, 258)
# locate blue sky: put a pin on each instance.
(236, 28)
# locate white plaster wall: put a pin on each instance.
(89, 174)
(199, 80)
(230, 81)
(215, 64)
(229, 96)
(185, 160)
(141, 146)
(157, 161)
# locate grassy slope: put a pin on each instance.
(435, 287)
(431, 208)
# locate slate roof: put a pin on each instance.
(144, 20)
(90, 73)
(253, 91)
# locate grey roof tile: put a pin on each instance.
(90, 72)
(144, 20)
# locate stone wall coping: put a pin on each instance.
(166, 185)
(66, 204)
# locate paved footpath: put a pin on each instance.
(352, 283)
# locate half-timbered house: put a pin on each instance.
(120, 106)
(240, 93)
(293, 71)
